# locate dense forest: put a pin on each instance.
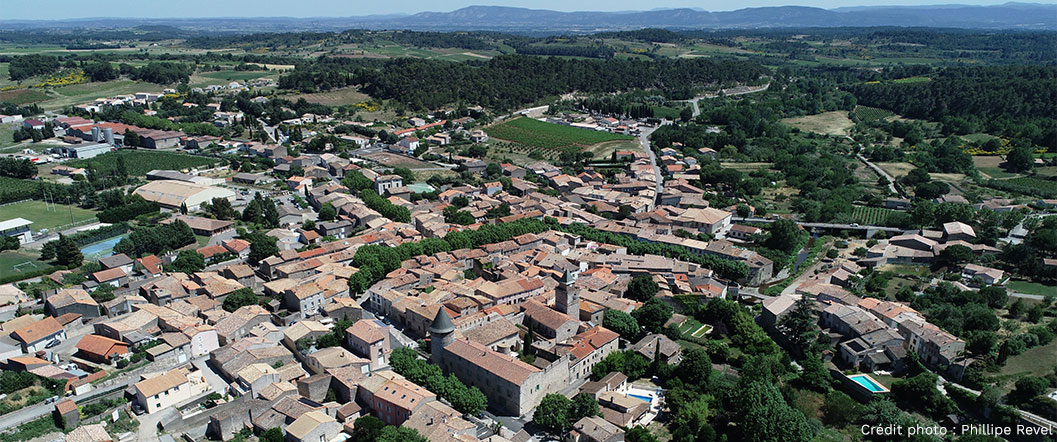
(1012, 101)
(508, 81)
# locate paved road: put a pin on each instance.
(644, 141)
(1030, 417)
(726, 92)
(824, 225)
(880, 172)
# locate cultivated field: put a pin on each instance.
(545, 135)
(139, 162)
(867, 113)
(24, 96)
(872, 216)
(827, 123)
(45, 216)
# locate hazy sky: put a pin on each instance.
(60, 9)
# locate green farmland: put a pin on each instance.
(139, 162)
(545, 135)
(871, 216)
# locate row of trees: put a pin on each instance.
(17, 168)
(156, 239)
(469, 400)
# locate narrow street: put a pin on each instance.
(644, 141)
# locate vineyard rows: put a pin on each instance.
(867, 114)
(871, 216)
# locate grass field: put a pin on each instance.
(139, 162)
(6, 140)
(45, 216)
(14, 262)
(827, 123)
(235, 75)
(24, 96)
(1031, 288)
(336, 97)
(1037, 361)
(871, 216)
(545, 135)
(80, 93)
(897, 170)
(394, 160)
(605, 149)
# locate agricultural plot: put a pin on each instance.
(24, 96)
(139, 162)
(80, 93)
(1031, 186)
(871, 216)
(867, 114)
(546, 139)
(14, 189)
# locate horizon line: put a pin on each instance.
(627, 11)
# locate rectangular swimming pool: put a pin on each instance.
(867, 383)
(639, 396)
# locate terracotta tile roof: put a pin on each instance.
(508, 368)
(150, 263)
(99, 345)
(66, 406)
(367, 330)
(38, 330)
(108, 274)
(152, 386)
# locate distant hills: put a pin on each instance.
(1027, 16)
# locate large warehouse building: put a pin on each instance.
(171, 194)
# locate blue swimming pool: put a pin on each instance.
(639, 396)
(867, 383)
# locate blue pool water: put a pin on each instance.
(102, 248)
(645, 398)
(867, 382)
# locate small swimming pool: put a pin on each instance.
(867, 383)
(642, 397)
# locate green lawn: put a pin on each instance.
(6, 140)
(45, 216)
(10, 259)
(1031, 288)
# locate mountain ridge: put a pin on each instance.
(1012, 15)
